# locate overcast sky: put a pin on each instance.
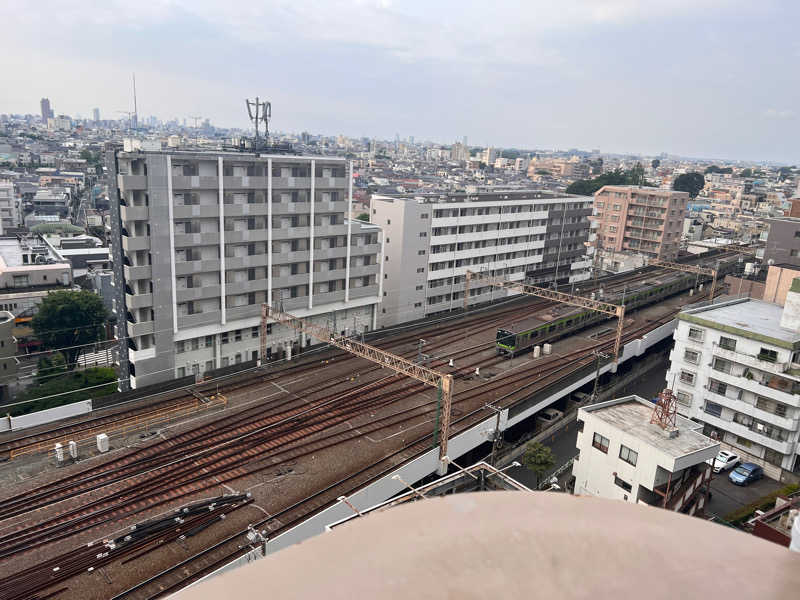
(706, 78)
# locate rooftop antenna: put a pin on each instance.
(259, 111)
(135, 110)
(665, 410)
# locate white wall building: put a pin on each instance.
(9, 209)
(431, 241)
(734, 369)
(623, 456)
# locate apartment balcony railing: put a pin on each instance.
(759, 361)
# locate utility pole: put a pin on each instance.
(599, 355)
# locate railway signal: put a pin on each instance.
(615, 310)
(441, 381)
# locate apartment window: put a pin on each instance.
(181, 372)
(422, 216)
(794, 252)
(622, 483)
(773, 457)
(691, 356)
(417, 304)
(269, 328)
(180, 347)
(237, 335)
(628, 455)
(713, 409)
(196, 344)
(740, 441)
(419, 287)
(209, 341)
(254, 331)
(696, 334)
(684, 398)
(722, 365)
(420, 252)
(209, 365)
(421, 270)
(224, 338)
(717, 387)
(600, 442)
(727, 343)
(768, 355)
(423, 234)
(688, 377)
(388, 221)
(797, 234)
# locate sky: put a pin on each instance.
(701, 78)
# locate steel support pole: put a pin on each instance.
(447, 405)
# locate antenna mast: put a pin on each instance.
(135, 110)
(259, 111)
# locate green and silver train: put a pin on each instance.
(524, 335)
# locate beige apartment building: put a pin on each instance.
(641, 220)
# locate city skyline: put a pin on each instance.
(700, 79)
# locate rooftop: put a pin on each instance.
(754, 319)
(482, 196)
(632, 414)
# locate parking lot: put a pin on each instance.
(727, 497)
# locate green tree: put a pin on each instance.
(655, 163)
(538, 458)
(784, 173)
(363, 217)
(69, 320)
(746, 173)
(510, 154)
(716, 169)
(689, 182)
(542, 172)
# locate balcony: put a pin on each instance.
(133, 244)
(785, 396)
(144, 354)
(328, 297)
(128, 183)
(759, 362)
(190, 240)
(681, 493)
(134, 301)
(190, 267)
(193, 182)
(208, 211)
(140, 272)
(363, 292)
(197, 293)
(291, 208)
(138, 329)
(199, 319)
(243, 312)
(745, 432)
(134, 213)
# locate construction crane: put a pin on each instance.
(443, 382)
(657, 262)
(615, 310)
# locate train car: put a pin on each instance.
(523, 335)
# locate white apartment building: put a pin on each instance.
(623, 456)
(201, 240)
(734, 368)
(9, 209)
(431, 241)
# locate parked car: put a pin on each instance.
(746, 473)
(723, 461)
(549, 416)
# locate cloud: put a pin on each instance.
(783, 115)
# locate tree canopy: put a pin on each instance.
(510, 154)
(655, 163)
(67, 321)
(689, 182)
(587, 187)
(746, 173)
(538, 458)
(716, 169)
(363, 217)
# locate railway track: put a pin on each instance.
(290, 446)
(178, 399)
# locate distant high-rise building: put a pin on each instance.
(95, 114)
(464, 141)
(47, 112)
